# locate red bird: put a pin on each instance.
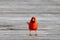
(33, 25)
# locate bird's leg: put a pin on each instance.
(30, 34)
(35, 33)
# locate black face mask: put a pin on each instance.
(33, 20)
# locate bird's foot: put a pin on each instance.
(30, 34)
(35, 34)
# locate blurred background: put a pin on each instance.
(15, 13)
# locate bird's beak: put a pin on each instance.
(33, 20)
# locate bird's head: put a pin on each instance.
(33, 19)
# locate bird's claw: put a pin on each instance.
(30, 34)
(35, 34)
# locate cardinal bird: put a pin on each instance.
(33, 25)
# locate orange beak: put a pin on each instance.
(33, 20)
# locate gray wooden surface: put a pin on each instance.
(15, 13)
